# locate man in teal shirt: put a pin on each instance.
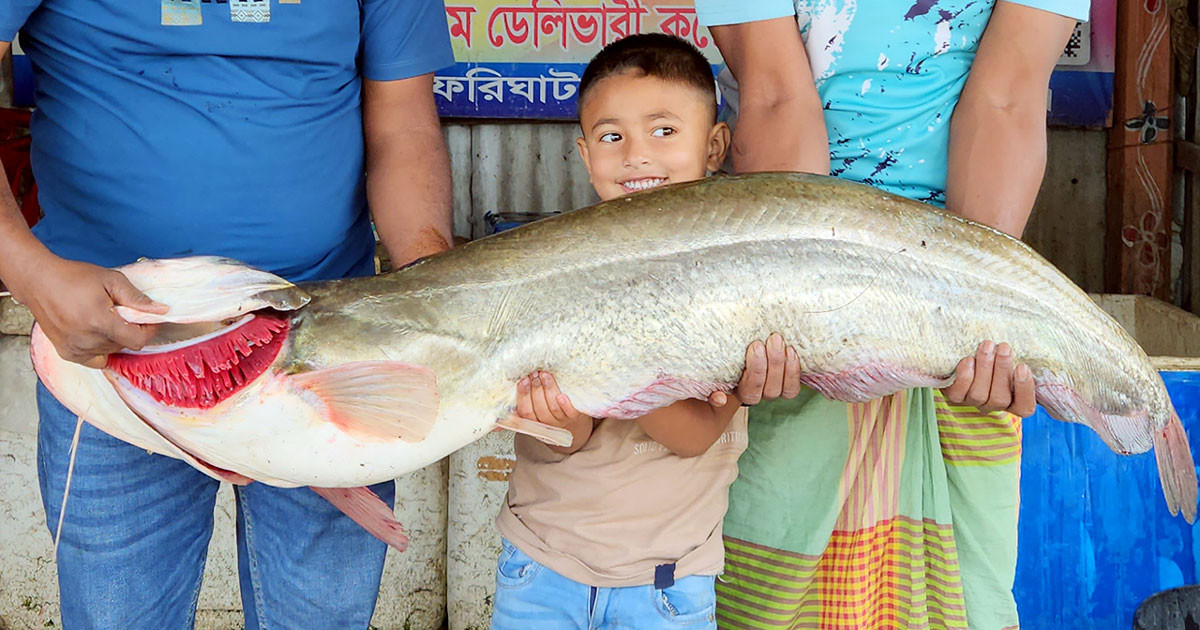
(898, 513)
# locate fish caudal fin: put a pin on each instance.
(369, 511)
(384, 399)
(543, 432)
(1176, 469)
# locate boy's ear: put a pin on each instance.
(718, 144)
(583, 155)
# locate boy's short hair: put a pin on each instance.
(656, 55)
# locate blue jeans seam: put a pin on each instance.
(196, 593)
(252, 563)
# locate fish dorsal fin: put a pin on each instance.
(543, 432)
(385, 399)
(206, 289)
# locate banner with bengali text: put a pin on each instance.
(522, 59)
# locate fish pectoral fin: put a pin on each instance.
(385, 399)
(369, 511)
(542, 432)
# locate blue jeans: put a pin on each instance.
(530, 596)
(136, 535)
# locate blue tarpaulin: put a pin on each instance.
(1095, 537)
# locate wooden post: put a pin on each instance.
(1138, 248)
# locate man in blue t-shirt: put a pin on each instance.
(256, 129)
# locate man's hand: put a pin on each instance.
(73, 303)
(989, 381)
(772, 371)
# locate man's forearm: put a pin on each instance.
(997, 158)
(408, 189)
(781, 124)
(19, 248)
(782, 136)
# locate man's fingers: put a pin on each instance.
(97, 362)
(755, 375)
(791, 374)
(1001, 388)
(125, 335)
(981, 387)
(964, 374)
(776, 358)
(1024, 392)
(123, 293)
(718, 399)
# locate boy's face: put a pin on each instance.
(640, 132)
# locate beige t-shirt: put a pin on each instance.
(609, 513)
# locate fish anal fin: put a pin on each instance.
(383, 399)
(369, 511)
(869, 382)
(1123, 433)
(542, 432)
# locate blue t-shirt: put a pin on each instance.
(889, 75)
(230, 127)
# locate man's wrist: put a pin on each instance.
(19, 262)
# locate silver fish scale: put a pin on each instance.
(675, 282)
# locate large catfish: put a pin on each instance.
(632, 304)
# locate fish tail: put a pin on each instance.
(1176, 468)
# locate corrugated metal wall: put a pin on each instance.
(519, 167)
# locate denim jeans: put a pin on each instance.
(530, 596)
(136, 532)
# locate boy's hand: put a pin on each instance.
(538, 398)
(772, 371)
(989, 381)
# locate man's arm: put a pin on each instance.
(997, 154)
(781, 124)
(408, 168)
(72, 301)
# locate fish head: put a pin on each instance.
(226, 323)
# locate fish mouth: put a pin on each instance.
(642, 183)
(196, 366)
